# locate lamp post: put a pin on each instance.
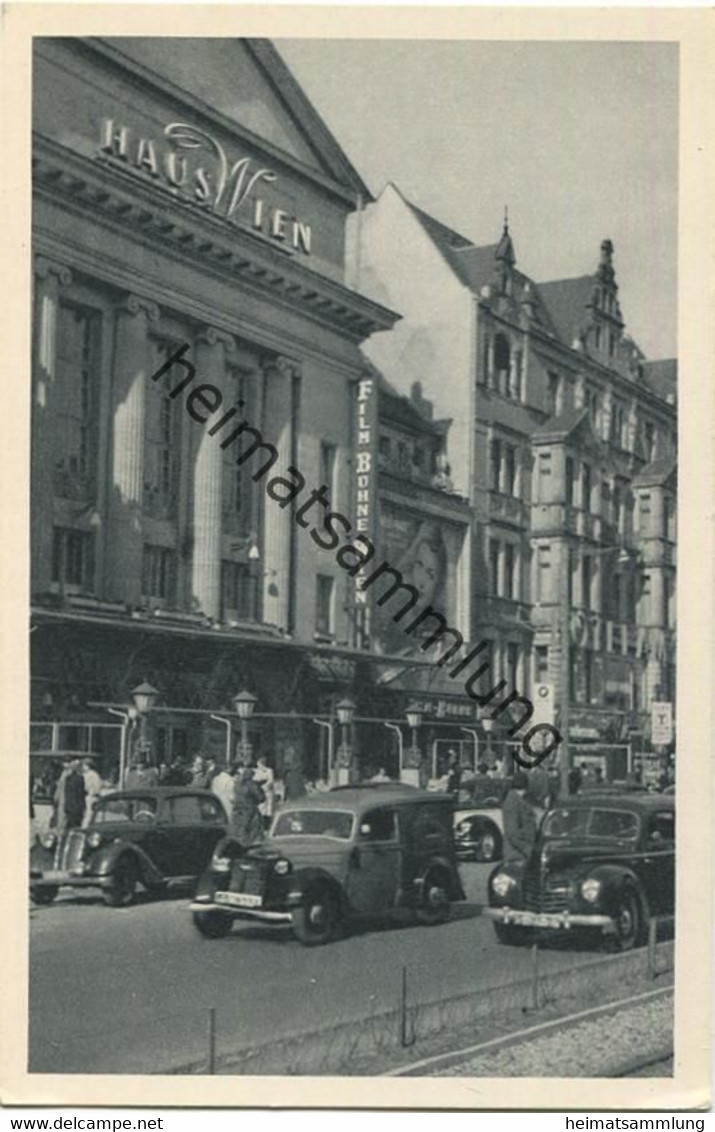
(411, 772)
(345, 711)
(245, 704)
(144, 696)
(488, 725)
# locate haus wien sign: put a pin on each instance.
(193, 165)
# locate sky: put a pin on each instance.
(578, 139)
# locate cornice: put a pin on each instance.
(118, 200)
(210, 116)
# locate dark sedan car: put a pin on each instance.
(603, 863)
(150, 836)
(356, 851)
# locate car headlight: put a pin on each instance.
(282, 867)
(591, 890)
(502, 883)
(94, 840)
(462, 829)
(220, 864)
(48, 840)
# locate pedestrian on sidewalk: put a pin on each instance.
(519, 821)
(246, 820)
(75, 796)
(293, 781)
(92, 786)
(224, 787)
(266, 779)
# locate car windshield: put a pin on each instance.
(125, 809)
(619, 824)
(313, 823)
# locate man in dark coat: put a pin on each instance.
(75, 796)
(519, 821)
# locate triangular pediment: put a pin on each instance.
(574, 430)
(249, 85)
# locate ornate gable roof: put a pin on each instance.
(575, 429)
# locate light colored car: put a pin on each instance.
(479, 833)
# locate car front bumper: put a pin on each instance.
(549, 920)
(206, 904)
(52, 878)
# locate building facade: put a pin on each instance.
(566, 449)
(189, 215)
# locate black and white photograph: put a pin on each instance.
(354, 741)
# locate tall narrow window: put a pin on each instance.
(569, 481)
(510, 469)
(552, 394)
(587, 675)
(162, 439)
(237, 486)
(502, 364)
(483, 372)
(649, 440)
(645, 602)
(327, 466)
(495, 465)
(324, 586)
(512, 666)
(586, 579)
(73, 560)
(586, 487)
(235, 590)
(510, 579)
(494, 566)
(616, 596)
(543, 576)
(541, 664)
(159, 574)
(75, 403)
(644, 514)
(617, 508)
(544, 477)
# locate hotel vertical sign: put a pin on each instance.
(365, 497)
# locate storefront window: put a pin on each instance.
(75, 402)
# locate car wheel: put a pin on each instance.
(44, 895)
(512, 934)
(316, 920)
(434, 906)
(124, 884)
(489, 846)
(629, 919)
(213, 925)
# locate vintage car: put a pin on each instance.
(151, 836)
(603, 863)
(352, 851)
(478, 833)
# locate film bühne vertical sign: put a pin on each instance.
(365, 497)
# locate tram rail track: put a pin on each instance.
(458, 1059)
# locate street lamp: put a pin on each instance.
(488, 725)
(413, 714)
(345, 711)
(144, 696)
(245, 704)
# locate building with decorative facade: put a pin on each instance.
(564, 441)
(186, 194)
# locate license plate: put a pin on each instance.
(239, 899)
(542, 921)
